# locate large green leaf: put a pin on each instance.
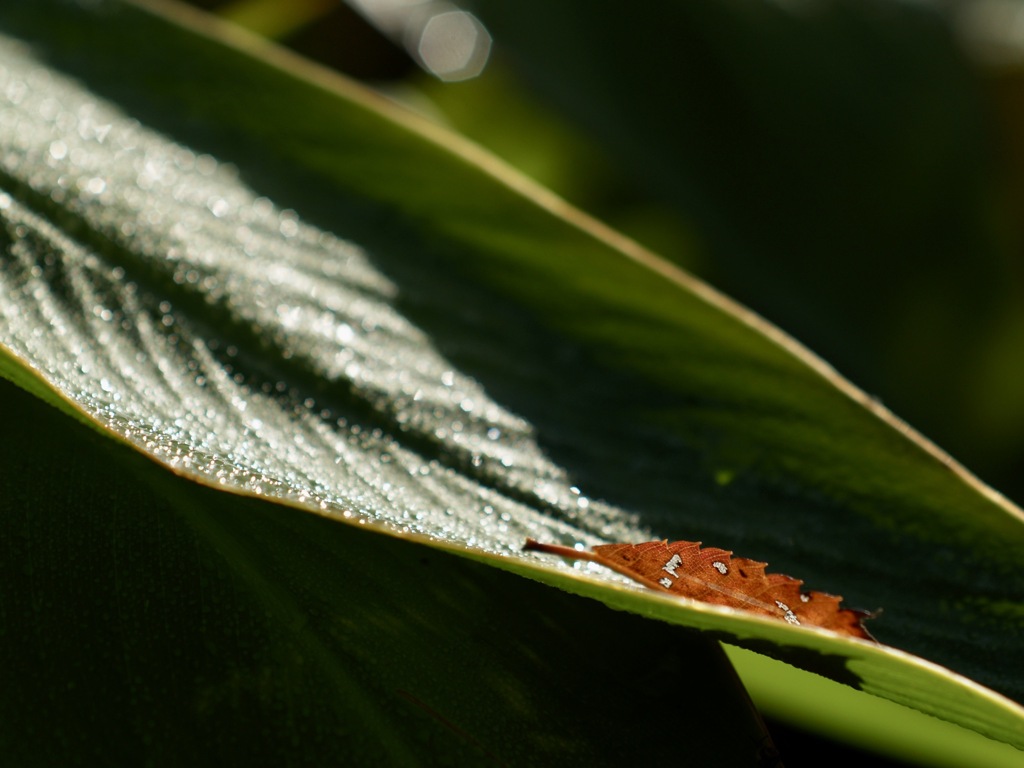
(351, 312)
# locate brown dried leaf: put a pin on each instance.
(713, 575)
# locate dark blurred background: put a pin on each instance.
(853, 170)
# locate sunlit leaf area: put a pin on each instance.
(335, 335)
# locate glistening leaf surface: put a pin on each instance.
(240, 345)
(355, 319)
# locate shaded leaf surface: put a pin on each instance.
(146, 619)
(282, 287)
(823, 154)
